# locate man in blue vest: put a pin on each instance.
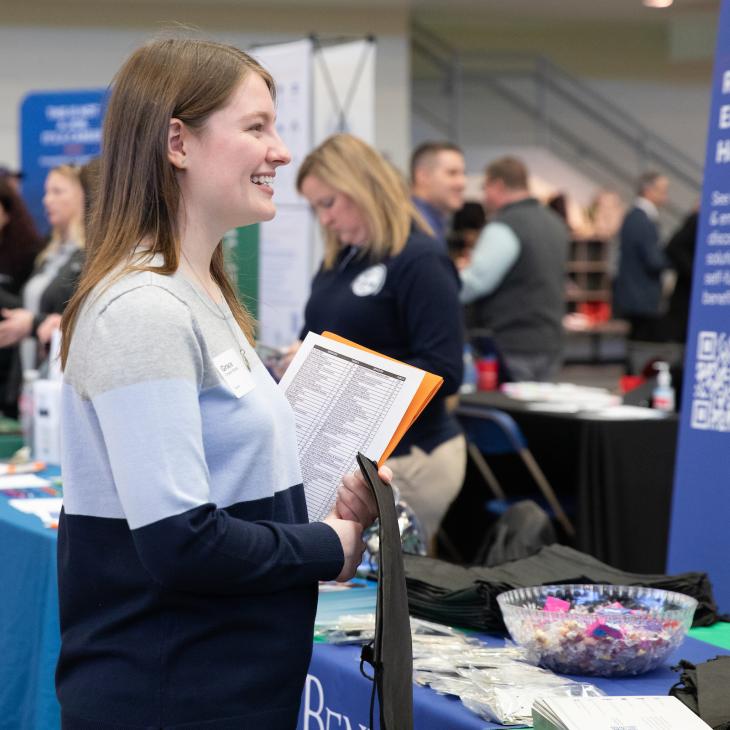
(438, 182)
(514, 283)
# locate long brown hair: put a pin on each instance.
(20, 241)
(353, 167)
(138, 197)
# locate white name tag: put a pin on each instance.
(234, 372)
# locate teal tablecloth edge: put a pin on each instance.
(718, 634)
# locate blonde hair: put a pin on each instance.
(354, 168)
(138, 196)
(76, 231)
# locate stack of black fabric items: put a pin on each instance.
(467, 596)
(704, 689)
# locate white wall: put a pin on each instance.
(39, 58)
(677, 112)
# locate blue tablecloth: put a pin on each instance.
(337, 696)
(29, 631)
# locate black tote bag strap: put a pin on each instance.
(390, 654)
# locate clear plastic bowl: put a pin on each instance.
(605, 631)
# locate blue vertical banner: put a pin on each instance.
(700, 527)
(57, 128)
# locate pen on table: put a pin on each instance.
(28, 468)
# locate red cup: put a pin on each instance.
(629, 382)
(487, 373)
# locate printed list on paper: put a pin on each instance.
(345, 400)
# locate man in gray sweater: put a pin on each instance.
(514, 284)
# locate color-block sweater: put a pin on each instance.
(187, 566)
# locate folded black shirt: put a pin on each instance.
(705, 689)
(467, 596)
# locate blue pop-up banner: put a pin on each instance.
(57, 128)
(700, 528)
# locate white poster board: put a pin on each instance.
(285, 264)
(344, 90)
(284, 274)
(291, 66)
(320, 91)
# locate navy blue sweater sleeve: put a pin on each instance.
(206, 550)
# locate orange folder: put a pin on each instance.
(426, 390)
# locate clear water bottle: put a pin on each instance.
(26, 406)
(469, 381)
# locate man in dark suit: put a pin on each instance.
(637, 290)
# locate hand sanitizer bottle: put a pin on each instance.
(663, 396)
(469, 382)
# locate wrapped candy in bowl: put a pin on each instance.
(597, 630)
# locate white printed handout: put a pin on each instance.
(345, 399)
(48, 510)
(614, 713)
(22, 481)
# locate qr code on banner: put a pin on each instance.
(711, 393)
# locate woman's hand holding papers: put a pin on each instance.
(354, 510)
(355, 501)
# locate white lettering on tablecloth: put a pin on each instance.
(317, 716)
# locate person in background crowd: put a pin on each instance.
(559, 203)
(575, 217)
(605, 215)
(12, 177)
(385, 283)
(56, 300)
(515, 282)
(30, 319)
(438, 179)
(188, 569)
(467, 224)
(637, 289)
(20, 243)
(57, 269)
(681, 254)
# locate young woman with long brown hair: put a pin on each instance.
(187, 566)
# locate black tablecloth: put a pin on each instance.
(617, 475)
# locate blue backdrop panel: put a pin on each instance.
(700, 528)
(57, 127)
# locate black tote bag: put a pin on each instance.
(390, 653)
